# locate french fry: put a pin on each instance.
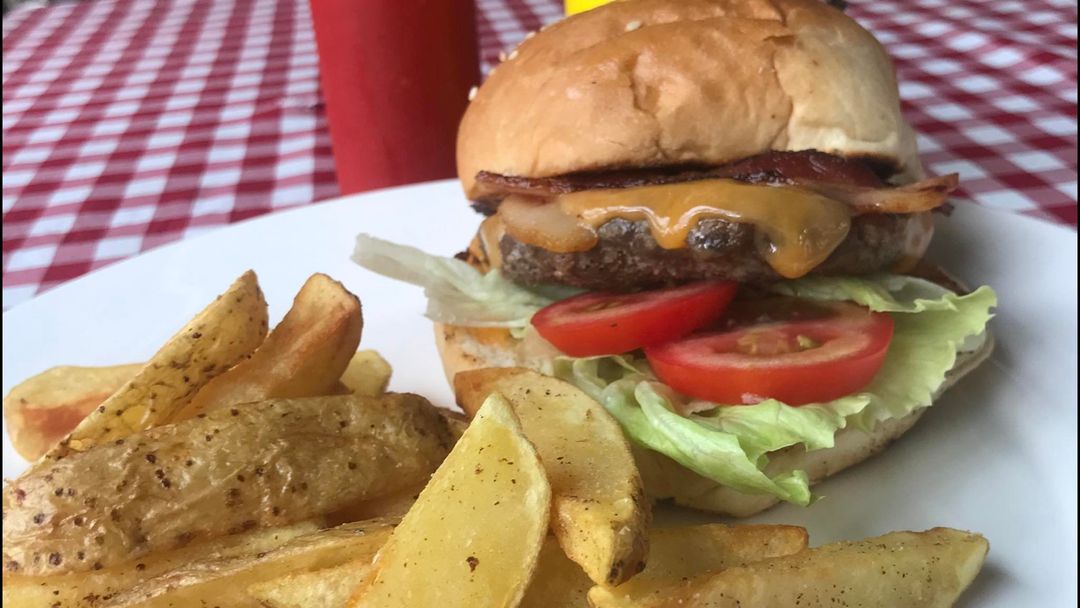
(226, 331)
(396, 504)
(599, 512)
(304, 356)
(367, 374)
(265, 464)
(474, 536)
(82, 588)
(456, 421)
(43, 409)
(900, 569)
(679, 553)
(557, 582)
(326, 588)
(225, 581)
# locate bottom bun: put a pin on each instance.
(466, 348)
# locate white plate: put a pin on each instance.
(996, 455)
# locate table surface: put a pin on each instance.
(128, 123)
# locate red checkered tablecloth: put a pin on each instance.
(132, 123)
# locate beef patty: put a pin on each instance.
(627, 258)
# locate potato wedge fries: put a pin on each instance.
(304, 356)
(326, 588)
(902, 569)
(395, 504)
(92, 588)
(225, 581)
(474, 536)
(43, 409)
(557, 581)
(265, 464)
(682, 552)
(599, 511)
(367, 374)
(225, 332)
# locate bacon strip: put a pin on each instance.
(768, 168)
(845, 180)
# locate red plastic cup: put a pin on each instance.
(395, 76)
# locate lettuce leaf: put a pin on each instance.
(726, 443)
(931, 325)
(643, 408)
(457, 293)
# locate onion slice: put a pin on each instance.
(542, 223)
(924, 195)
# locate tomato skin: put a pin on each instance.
(593, 324)
(842, 355)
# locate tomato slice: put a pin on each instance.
(609, 324)
(791, 350)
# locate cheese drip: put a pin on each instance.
(796, 229)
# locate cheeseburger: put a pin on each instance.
(710, 215)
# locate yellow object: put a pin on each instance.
(598, 510)
(580, 6)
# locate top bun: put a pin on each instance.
(652, 83)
